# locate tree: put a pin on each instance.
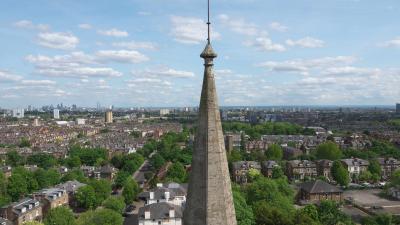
(395, 178)
(365, 176)
(177, 173)
(131, 190)
(13, 158)
(102, 189)
(73, 162)
(374, 167)
(42, 160)
(4, 197)
(265, 214)
(46, 178)
(330, 214)
(274, 152)
(121, 178)
(100, 217)
(17, 186)
(328, 150)
(340, 174)
(86, 197)
(33, 223)
(157, 161)
(253, 174)
(379, 219)
(24, 143)
(60, 216)
(75, 174)
(114, 203)
(277, 172)
(244, 213)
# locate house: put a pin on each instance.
(267, 167)
(301, 169)
(105, 172)
(241, 169)
(257, 145)
(317, 190)
(22, 211)
(291, 152)
(355, 166)
(388, 166)
(51, 198)
(71, 187)
(7, 171)
(160, 213)
(173, 193)
(324, 168)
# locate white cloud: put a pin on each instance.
(190, 30)
(77, 64)
(239, 25)
(135, 45)
(85, 26)
(114, 33)
(265, 44)
(391, 43)
(6, 76)
(38, 82)
(304, 65)
(123, 56)
(27, 24)
(278, 27)
(57, 40)
(164, 72)
(307, 42)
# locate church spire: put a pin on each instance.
(209, 200)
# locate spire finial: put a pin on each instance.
(208, 22)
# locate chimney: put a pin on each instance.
(171, 213)
(151, 195)
(147, 214)
(167, 195)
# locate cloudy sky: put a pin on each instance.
(146, 52)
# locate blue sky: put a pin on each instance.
(146, 52)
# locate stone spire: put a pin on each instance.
(209, 200)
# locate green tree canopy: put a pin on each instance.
(100, 217)
(274, 152)
(374, 167)
(42, 160)
(328, 150)
(131, 190)
(244, 213)
(177, 173)
(115, 203)
(60, 216)
(13, 158)
(340, 174)
(102, 189)
(86, 197)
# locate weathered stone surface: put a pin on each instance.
(209, 199)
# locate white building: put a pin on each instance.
(160, 214)
(80, 121)
(170, 193)
(18, 113)
(164, 112)
(56, 114)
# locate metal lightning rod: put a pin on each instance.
(208, 22)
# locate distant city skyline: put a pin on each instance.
(134, 53)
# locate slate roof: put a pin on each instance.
(319, 186)
(160, 211)
(159, 192)
(269, 164)
(70, 186)
(246, 165)
(355, 162)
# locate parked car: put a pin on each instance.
(129, 210)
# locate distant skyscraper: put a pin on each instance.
(56, 114)
(109, 117)
(18, 113)
(209, 199)
(36, 122)
(164, 112)
(398, 108)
